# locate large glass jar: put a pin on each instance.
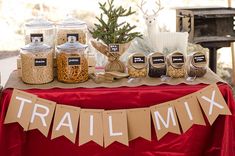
(72, 65)
(137, 65)
(71, 27)
(42, 28)
(157, 64)
(176, 65)
(37, 62)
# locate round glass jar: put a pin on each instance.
(157, 64)
(197, 64)
(71, 27)
(176, 65)
(37, 62)
(137, 65)
(72, 64)
(42, 28)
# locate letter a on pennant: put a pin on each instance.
(20, 108)
(212, 103)
(165, 119)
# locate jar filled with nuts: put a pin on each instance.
(37, 62)
(71, 27)
(42, 28)
(197, 64)
(157, 64)
(72, 65)
(137, 65)
(176, 65)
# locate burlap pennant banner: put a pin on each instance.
(20, 108)
(91, 126)
(42, 115)
(139, 123)
(66, 122)
(165, 119)
(115, 127)
(212, 103)
(189, 112)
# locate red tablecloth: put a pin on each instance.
(218, 139)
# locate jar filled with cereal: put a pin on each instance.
(42, 28)
(197, 64)
(137, 65)
(176, 65)
(72, 65)
(71, 27)
(37, 62)
(157, 64)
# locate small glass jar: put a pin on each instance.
(176, 65)
(71, 27)
(137, 65)
(197, 64)
(72, 65)
(42, 28)
(37, 62)
(157, 64)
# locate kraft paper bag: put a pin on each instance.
(91, 126)
(66, 122)
(189, 112)
(165, 119)
(20, 108)
(115, 127)
(212, 103)
(139, 123)
(42, 115)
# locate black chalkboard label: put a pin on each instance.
(158, 59)
(199, 58)
(138, 59)
(114, 48)
(75, 35)
(36, 35)
(40, 62)
(177, 59)
(74, 61)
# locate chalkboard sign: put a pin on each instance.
(36, 35)
(114, 48)
(40, 62)
(177, 59)
(138, 59)
(158, 59)
(199, 58)
(75, 35)
(74, 61)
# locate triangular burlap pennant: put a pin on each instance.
(42, 115)
(139, 123)
(212, 103)
(115, 127)
(20, 108)
(66, 122)
(165, 119)
(91, 126)
(189, 112)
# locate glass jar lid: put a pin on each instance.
(39, 22)
(72, 45)
(36, 46)
(138, 60)
(199, 59)
(176, 59)
(71, 22)
(157, 60)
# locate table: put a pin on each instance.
(218, 139)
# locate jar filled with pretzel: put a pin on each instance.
(71, 27)
(137, 65)
(157, 64)
(197, 64)
(176, 65)
(72, 65)
(37, 62)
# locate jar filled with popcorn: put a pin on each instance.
(137, 65)
(72, 65)
(37, 62)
